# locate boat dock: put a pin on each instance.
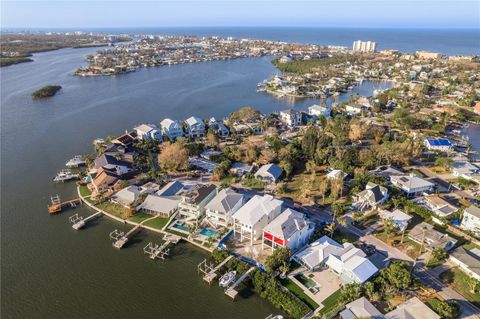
(57, 205)
(80, 222)
(231, 292)
(209, 272)
(157, 251)
(120, 238)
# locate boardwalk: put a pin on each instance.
(209, 277)
(121, 241)
(231, 292)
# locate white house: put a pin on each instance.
(336, 174)
(424, 233)
(467, 260)
(218, 127)
(251, 218)
(360, 308)
(291, 117)
(164, 206)
(441, 145)
(148, 131)
(172, 129)
(412, 308)
(269, 173)
(399, 218)
(318, 110)
(195, 127)
(192, 205)
(439, 206)
(240, 169)
(290, 229)
(471, 219)
(130, 194)
(411, 185)
(370, 198)
(466, 170)
(220, 209)
(345, 260)
(353, 109)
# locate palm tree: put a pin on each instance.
(331, 228)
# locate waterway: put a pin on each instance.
(49, 270)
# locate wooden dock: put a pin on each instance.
(120, 241)
(231, 292)
(212, 274)
(80, 222)
(157, 251)
(57, 205)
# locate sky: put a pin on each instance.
(313, 13)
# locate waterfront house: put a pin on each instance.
(360, 308)
(353, 109)
(218, 127)
(105, 159)
(170, 189)
(345, 260)
(240, 169)
(398, 218)
(466, 170)
(220, 209)
(195, 127)
(251, 218)
(411, 185)
(126, 139)
(467, 260)
(148, 131)
(441, 145)
(103, 181)
(269, 173)
(289, 229)
(438, 206)
(471, 219)
(319, 110)
(192, 204)
(370, 198)
(431, 238)
(164, 206)
(291, 117)
(128, 195)
(172, 129)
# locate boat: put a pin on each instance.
(226, 279)
(76, 161)
(65, 175)
(98, 141)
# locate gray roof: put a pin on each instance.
(270, 171)
(412, 309)
(224, 201)
(473, 210)
(433, 238)
(361, 308)
(286, 224)
(160, 204)
(470, 259)
(170, 189)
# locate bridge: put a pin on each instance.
(121, 240)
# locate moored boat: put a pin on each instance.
(65, 175)
(76, 161)
(226, 279)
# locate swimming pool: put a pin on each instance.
(208, 232)
(310, 284)
(181, 227)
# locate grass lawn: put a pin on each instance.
(458, 280)
(253, 183)
(140, 217)
(157, 223)
(177, 233)
(114, 209)
(84, 191)
(296, 188)
(331, 302)
(409, 247)
(344, 237)
(297, 291)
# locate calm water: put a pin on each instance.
(49, 270)
(446, 41)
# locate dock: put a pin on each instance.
(210, 273)
(57, 205)
(231, 292)
(157, 251)
(80, 222)
(121, 240)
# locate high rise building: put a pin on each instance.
(364, 46)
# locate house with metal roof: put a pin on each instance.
(192, 205)
(425, 234)
(172, 129)
(218, 127)
(148, 131)
(468, 260)
(269, 173)
(370, 198)
(291, 117)
(220, 209)
(164, 206)
(441, 145)
(399, 218)
(345, 260)
(195, 127)
(251, 218)
(439, 206)
(289, 229)
(412, 308)
(471, 219)
(411, 185)
(360, 308)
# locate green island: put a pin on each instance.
(46, 91)
(14, 60)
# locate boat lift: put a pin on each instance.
(157, 251)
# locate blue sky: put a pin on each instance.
(319, 13)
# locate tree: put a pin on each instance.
(330, 228)
(350, 292)
(444, 162)
(322, 189)
(212, 139)
(446, 310)
(279, 258)
(371, 292)
(267, 156)
(287, 167)
(389, 227)
(251, 152)
(337, 187)
(397, 274)
(473, 284)
(173, 157)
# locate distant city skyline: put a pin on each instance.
(199, 13)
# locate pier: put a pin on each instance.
(57, 205)
(209, 272)
(121, 240)
(80, 222)
(231, 292)
(157, 251)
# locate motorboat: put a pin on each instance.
(227, 278)
(65, 175)
(76, 161)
